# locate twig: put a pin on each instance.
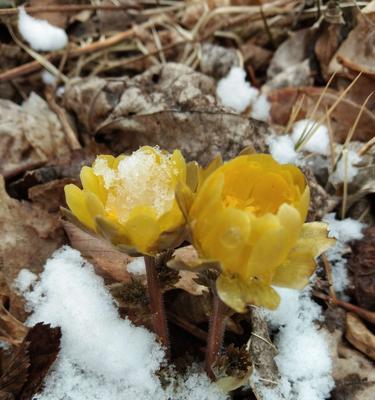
(159, 319)
(215, 334)
(69, 133)
(366, 147)
(34, 66)
(187, 326)
(329, 274)
(67, 8)
(365, 314)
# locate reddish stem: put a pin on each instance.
(215, 334)
(159, 320)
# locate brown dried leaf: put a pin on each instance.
(216, 61)
(362, 265)
(107, 261)
(43, 344)
(188, 283)
(359, 336)
(357, 51)
(169, 105)
(289, 65)
(353, 373)
(15, 373)
(29, 134)
(12, 330)
(29, 236)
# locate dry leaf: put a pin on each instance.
(15, 373)
(187, 282)
(359, 336)
(12, 331)
(29, 236)
(357, 51)
(107, 261)
(29, 134)
(362, 265)
(353, 373)
(216, 61)
(171, 106)
(43, 345)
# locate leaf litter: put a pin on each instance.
(201, 78)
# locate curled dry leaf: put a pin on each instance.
(216, 61)
(342, 118)
(357, 51)
(359, 336)
(353, 372)
(169, 105)
(43, 345)
(30, 134)
(362, 265)
(107, 261)
(12, 331)
(29, 236)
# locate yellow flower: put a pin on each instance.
(130, 200)
(248, 219)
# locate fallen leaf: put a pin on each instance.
(216, 61)
(43, 344)
(357, 51)
(29, 236)
(12, 331)
(187, 282)
(169, 105)
(353, 373)
(15, 373)
(362, 264)
(29, 134)
(359, 336)
(107, 261)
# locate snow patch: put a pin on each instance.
(345, 168)
(282, 149)
(235, 92)
(343, 231)
(318, 141)
(39, 33)
(261, 108)
(137, 266)
(303, 360)
(102, 356)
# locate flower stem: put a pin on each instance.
(159, 320)
(215, 334)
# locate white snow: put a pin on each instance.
(343, 231)
(282, 149)
(235, 92)
(102, 356)
(39, 33)
(346, 162)
(304, 359)
(137, 266)
(318, 141)
(141, 179)
(24, 280)
(261, 108)
(48, 78)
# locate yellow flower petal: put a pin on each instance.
(229, 291)
(92, 183)
(142, 229)
(94, 205)
(237, 294)
(314, 239)
(295, 272)
(76, 201)
(300, 264)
